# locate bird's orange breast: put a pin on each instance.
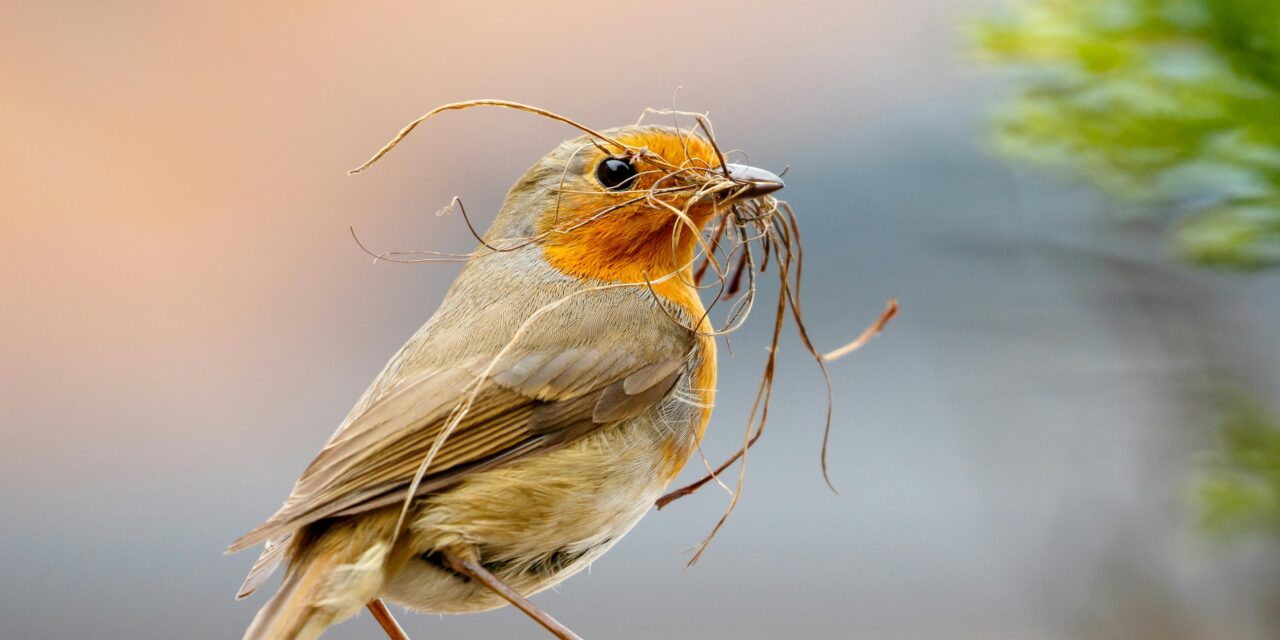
(574, 259)
(703, 383)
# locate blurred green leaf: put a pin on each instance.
(1244, 236)
(1157, 101)
(1240, 489)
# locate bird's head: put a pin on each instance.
(627, 205)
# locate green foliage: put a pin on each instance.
(1240, 489)
(1171, 102)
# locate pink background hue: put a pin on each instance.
(185, 318)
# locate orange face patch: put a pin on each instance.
(623, 236)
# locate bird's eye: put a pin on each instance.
(615, 174)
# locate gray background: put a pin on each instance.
(188, 320)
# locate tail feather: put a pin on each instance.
(269, 613)
(271, 557)
(325, 584)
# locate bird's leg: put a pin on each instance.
(467, 562)
(386, 620)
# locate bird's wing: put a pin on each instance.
(529, 402)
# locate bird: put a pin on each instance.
(563, 382)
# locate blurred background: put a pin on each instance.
(1069, 432)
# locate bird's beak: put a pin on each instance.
(755, 182)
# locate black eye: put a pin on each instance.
(615, 174)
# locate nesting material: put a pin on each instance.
(745, 239)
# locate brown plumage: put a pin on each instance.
(563, 382)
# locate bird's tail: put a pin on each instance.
(330, 578)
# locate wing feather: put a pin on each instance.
(533, 402)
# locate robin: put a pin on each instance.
(564, 381)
